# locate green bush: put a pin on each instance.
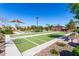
(1, 31)
(38, 30)
(54, 52)
(6, 31)
(75, 51)
(61, 44)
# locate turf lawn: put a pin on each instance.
(32, 33)
(23, 44)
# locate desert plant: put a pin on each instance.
(54, 52)
(61, 44)
(75, 51)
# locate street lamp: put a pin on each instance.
(37, 20)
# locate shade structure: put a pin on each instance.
(16, 21)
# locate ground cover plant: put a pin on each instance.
(61, 44)
(54, 52)
(75, 51)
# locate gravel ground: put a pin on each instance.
(2, 49)
(46, 52)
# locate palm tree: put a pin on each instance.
(49, 26)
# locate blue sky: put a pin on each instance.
(52, 13)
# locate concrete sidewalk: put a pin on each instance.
(11, 49)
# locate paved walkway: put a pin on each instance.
(11, 49)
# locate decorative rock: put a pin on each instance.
(2, 37)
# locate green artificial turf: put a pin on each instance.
(33, 33)
(24, 44)
(44, 37)
(36, 40)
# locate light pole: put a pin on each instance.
(37, 20)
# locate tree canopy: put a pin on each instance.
(74, 8)
(71, 25)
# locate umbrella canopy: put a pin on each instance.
(16, 21)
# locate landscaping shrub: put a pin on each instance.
(72, 35)
(1, 31)
(54, 52)
(6, 31)
(75, 51)
(61, 44)
(38, 30)
(54, 35)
